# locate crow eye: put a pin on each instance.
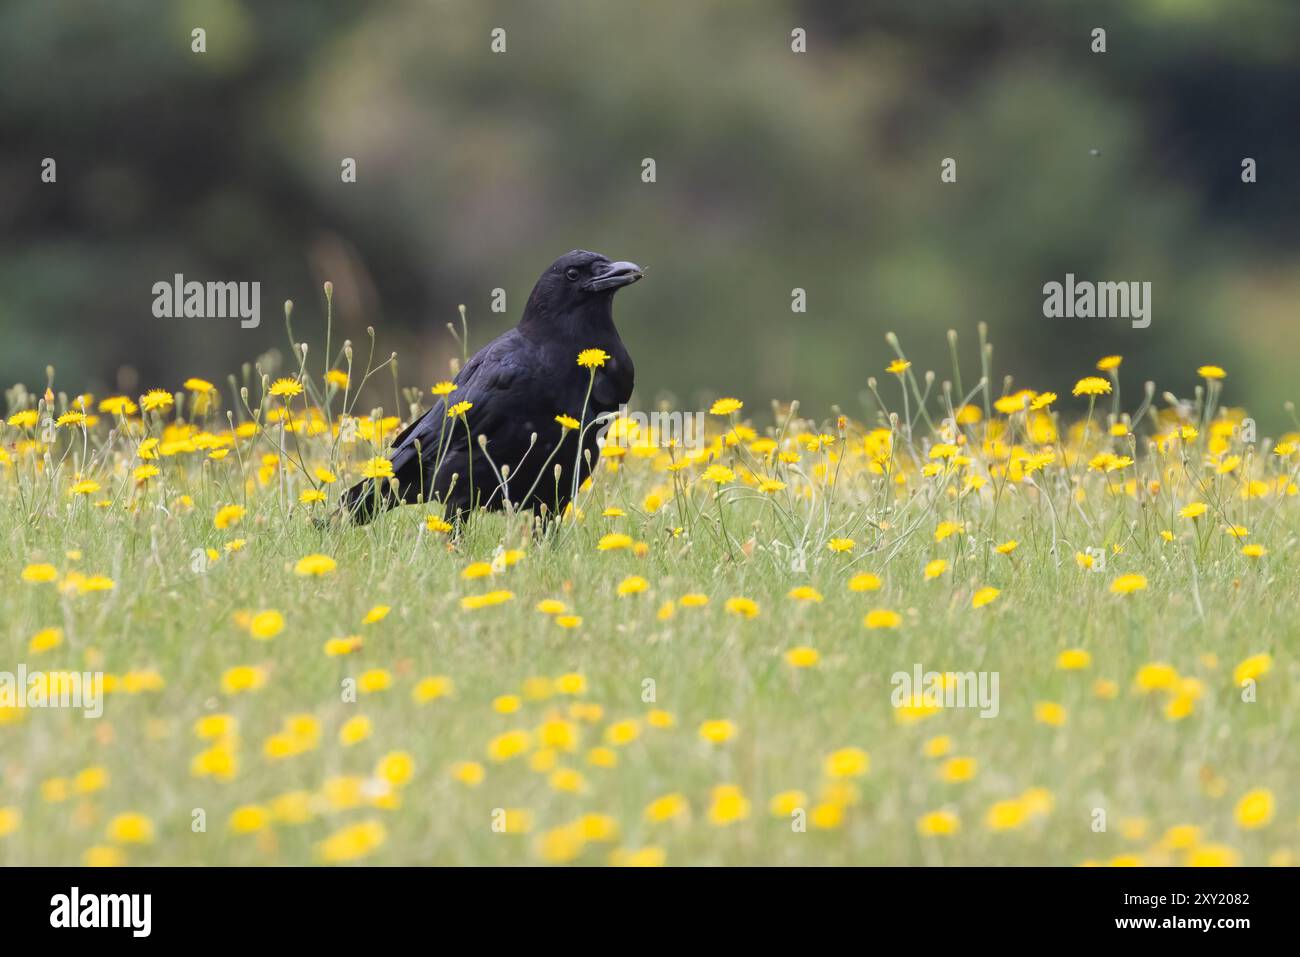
(572, 274)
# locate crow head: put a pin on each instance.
(580, 283)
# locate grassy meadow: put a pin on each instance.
(692, 667)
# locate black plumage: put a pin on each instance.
(516, 386)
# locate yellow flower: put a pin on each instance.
(71, 418)
(1073, 659)
(571, 684)
(395, 767)
(1156, 676)
(337, 647)
(100, 855)
(1108, 363)
(1006, 815)
(1092, 385)
(847, 763)
(938, 823)
(718, 474)
(1211, 372)
(642, 857)
(729, 805)
(90, 780)
(882, 618)
(378, 467)
(40, 573)
(509, 745)
(1213, 855)
(937, 747)
(612, 541)
(958, 770)
(742, 607)
(435, 524)
(352, 842)
(249, 818)
(476, 570)
(469, 773)
(1252, 668)
(284, 388)
(1127, 584)
(376, 679)
(898, 366)
(315, 564)
(622, 732)
(131, 828)
(592, 358)
(1049, 712)
(507, 704)
(354, 730)
(935, 568)
(143, 473)
(1194, 510)
(786, 803)
(983, 596)
(841, 545)
(567, 422)
(946, 529)
(242, 678)
(215, 726)
(1255, 809)
(717, 731)
(432, 688)
(632, 585)
(1254, 551)
(864, 581)
(377, 613)
(805, 593)
(827, 815)
(726, 406)
(1006, 548)
(156, 400)
(266, 625)
(658, 718)
(802, 657)
(459, 409)
(44, 640)
(227, 516)
(666, 808)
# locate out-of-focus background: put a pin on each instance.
(775, 170)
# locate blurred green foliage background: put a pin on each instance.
(775, 170)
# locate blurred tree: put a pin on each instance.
(775, 170)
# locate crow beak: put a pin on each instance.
(615, 276)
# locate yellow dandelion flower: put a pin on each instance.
(315, 564)
(1092, 385)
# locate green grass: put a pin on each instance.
(1205, 608)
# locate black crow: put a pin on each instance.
(512, 391)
